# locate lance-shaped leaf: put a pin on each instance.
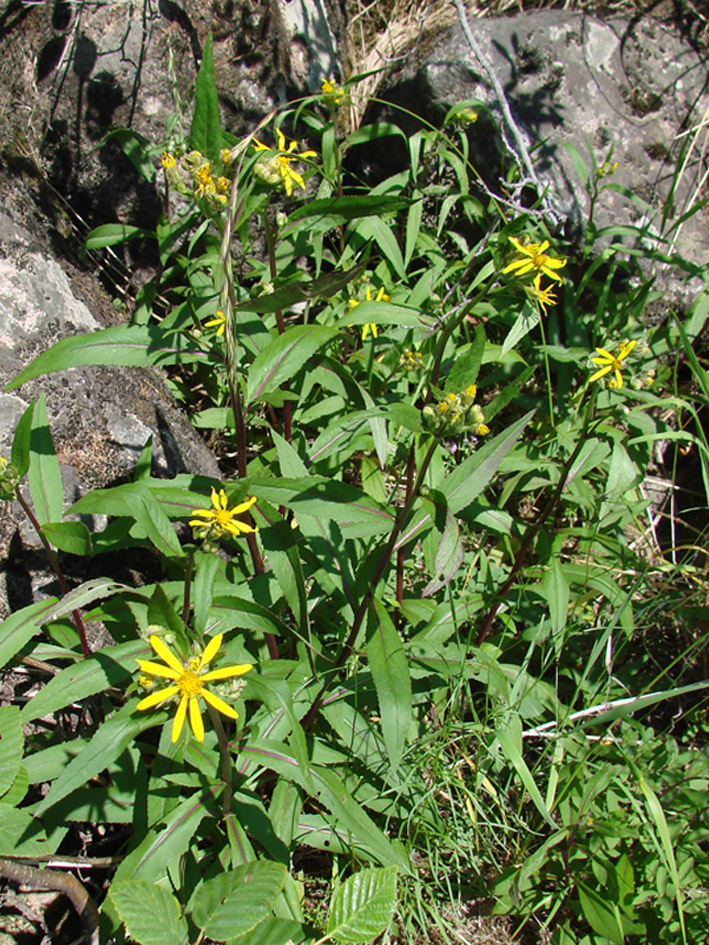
(107, 744)
(114, 666)
(449, 556)
(282, 359)
(206, 130)
(385, 313)
(44, 476)
(390, 672)
(335, 211)
(19, 627)
(113, 234)
(11, 743)
(123, 345)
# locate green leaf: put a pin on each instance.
(335, 211)
(282, 359)
(363, 906)
(159, 848)
(327, 499)
(272, 931)
(122, 345)
(72, 537)
(376, 229)
(528, 319)
(390, 672)
(206, 130)
(18, 789)
(449, 556)
(19, 627)
(80, 596)
(510, 740)
(601, 913)
(44, 476)
(330, 790)
(135, 147)
(467, 364)
(384, 313)
(233, 903)
(11, 745)
(373, 132)
(556, 591)
(20, 457)
(113, 234)
(107, 744)
(151, 914)
(114, 667)
(21, 834)
(205, 572)
(279, 543)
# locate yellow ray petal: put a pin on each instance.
(219, 704)
(211, 650)
(155, 669)
(179, 719)
(226, 672)
(166, 655)
(196, 720)
(155, 698)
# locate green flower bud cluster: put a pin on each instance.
(412, 360)
(193, 176)
(456, 413)
(9, 479)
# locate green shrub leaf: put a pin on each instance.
(233, 903)
(363, 906)
(151, 914)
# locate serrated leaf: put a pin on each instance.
(273, 931)
(151, 914)
(282, 359)
(206, 131)
(11, 744)
(233, 903)
(390, 672)
(18, 789)
(363, 906)
(122, 345)
(43, 475)
(113, 666)
(78, 597)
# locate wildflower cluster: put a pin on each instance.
(412, 360)
(333, 93)
(9, 479)
(218, 322)
(219, 520)
(187, 682)
(606, 169)
(466, 116)
(275, 166)
(194, 176)
(456, 413)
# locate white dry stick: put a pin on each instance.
(519, 152)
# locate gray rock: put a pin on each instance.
(100, 417)
(572, 79)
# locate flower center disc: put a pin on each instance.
(189, 684)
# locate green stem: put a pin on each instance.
(189, 571)
(271, 245)
(548, 372)
(224, 757)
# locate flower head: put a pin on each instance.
(533, 257)
(277, 168)
(188, 682)
(220, 520)
(542, 297)
(168, 160)
(612, 362)
(218, 322)
(9, 479)
(371, 326)
(335, 93)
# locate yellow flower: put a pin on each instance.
(220, 519)
(542, 297)
(278, 168)
(533, 256)
(205, 182)
(332, 91)
(612, 362)
(606, 169)
(226, 156)
(168, 160)
(371, 326)
(218, 322)
(223, 184)
(188, 682)
(467, 116)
